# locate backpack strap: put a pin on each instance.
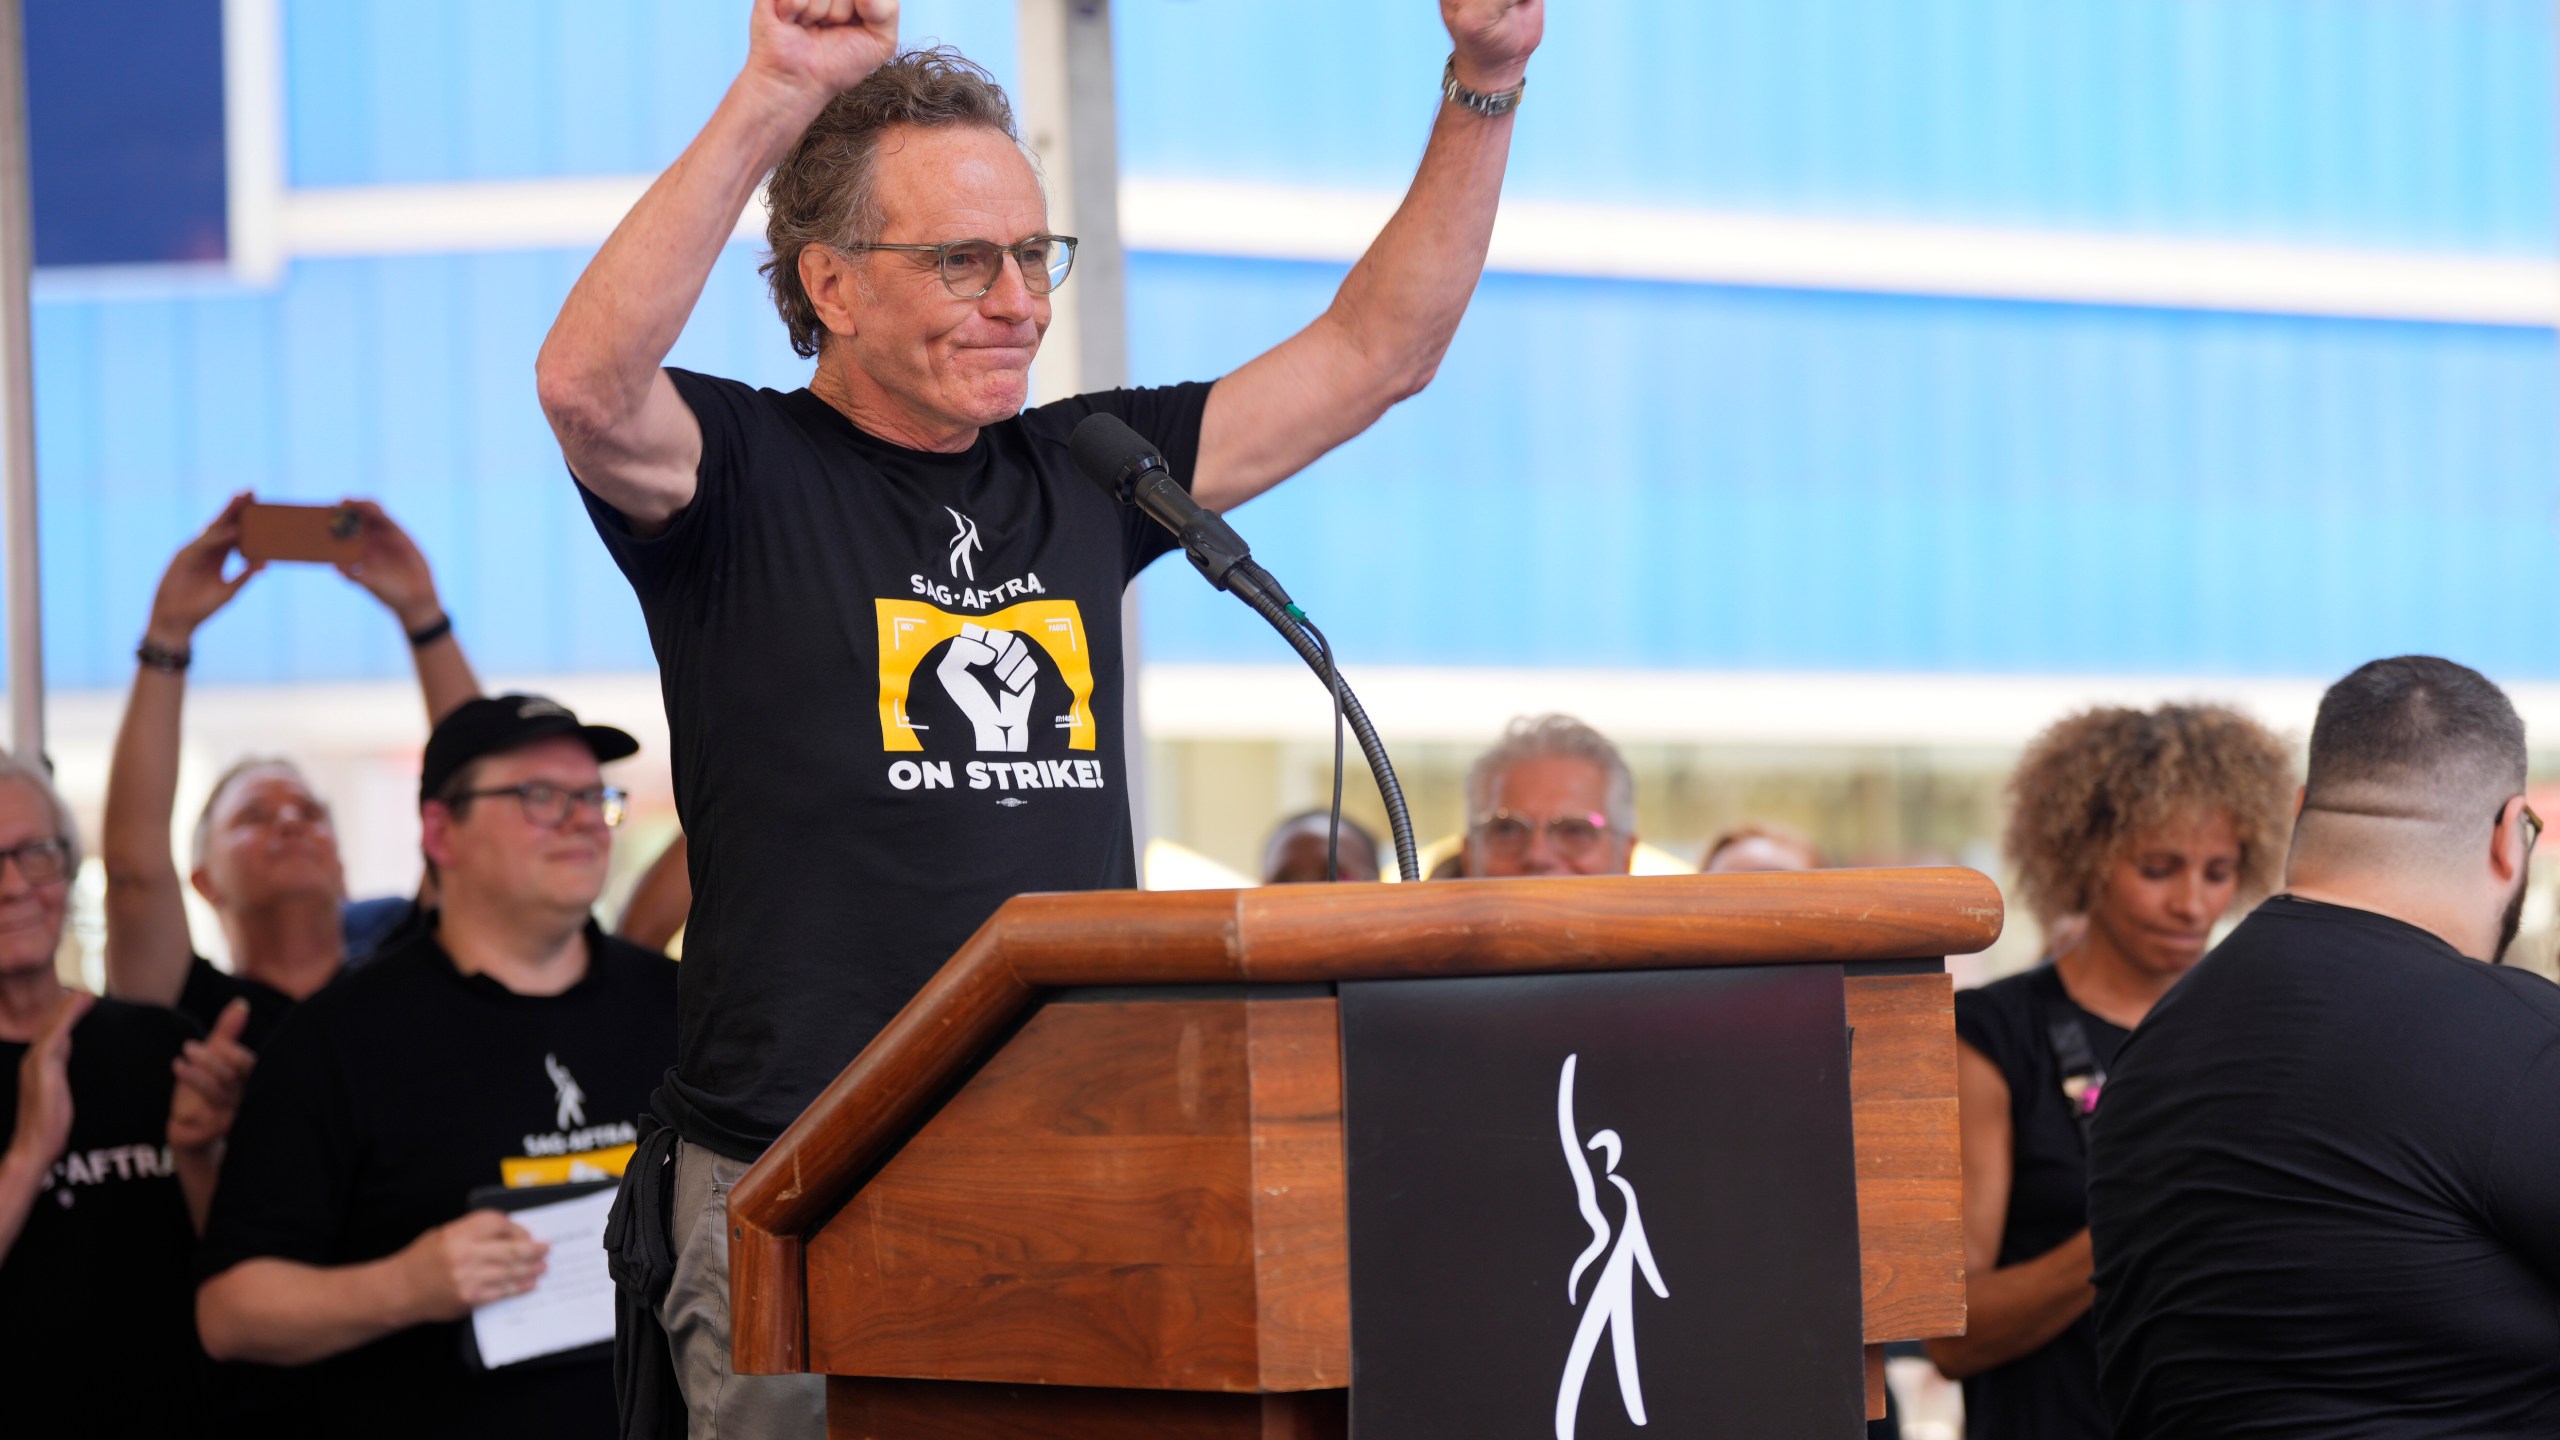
(2082, 1077)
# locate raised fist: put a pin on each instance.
(1493, 39)
(1001, 715)
(821, 47)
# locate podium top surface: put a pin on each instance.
(1295, 935)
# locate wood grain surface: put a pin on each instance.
(1902, 1082)
(1286, 934)
(1301, 1206)
(1146, 1194)
(1151, 1194)
(933, 1410)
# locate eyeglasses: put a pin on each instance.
(1507, 834)
(41, 862)
(261, 814)
(549, 806)
(970, 268)
(2532, 824)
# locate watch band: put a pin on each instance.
(1489, 106)
(163, 659)
(428, 634)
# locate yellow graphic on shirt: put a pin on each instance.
(988, 672)
(519, 1171)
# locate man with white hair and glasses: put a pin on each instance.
(102, 1164)
(1552, 797)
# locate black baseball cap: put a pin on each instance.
(492, 725)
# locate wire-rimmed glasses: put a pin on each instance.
(970, 268)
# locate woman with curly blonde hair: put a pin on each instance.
(2133, 832)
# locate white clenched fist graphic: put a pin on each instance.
(1001, 712)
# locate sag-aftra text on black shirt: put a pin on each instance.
(893, 688)
(381, 1104)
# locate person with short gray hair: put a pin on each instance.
(1552, 797)
(886, 606)
(100, 1171)
(2323, 1198)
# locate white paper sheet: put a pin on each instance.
(572, 1305)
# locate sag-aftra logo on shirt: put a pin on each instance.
(1008, 689)
(998, 701)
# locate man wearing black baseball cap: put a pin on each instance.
(504, 1040)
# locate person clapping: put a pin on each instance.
(100, 1168)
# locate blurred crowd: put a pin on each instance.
(281, 1186)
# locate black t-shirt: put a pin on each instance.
(382, 1103)
(210, 990)
(2325, 1192)
(97, 1301)
(365, 924)
(893, 687)
(2052, 1393)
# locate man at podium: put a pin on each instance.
(886, 607)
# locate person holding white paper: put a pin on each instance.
(505, 1041)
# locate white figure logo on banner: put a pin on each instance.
(1613, 1295)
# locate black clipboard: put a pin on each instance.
(506, 1201)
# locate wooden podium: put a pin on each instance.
(1090, 1182)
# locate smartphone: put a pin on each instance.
(330, 534)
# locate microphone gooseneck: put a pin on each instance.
(1132, 471)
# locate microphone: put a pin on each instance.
(1132, 471)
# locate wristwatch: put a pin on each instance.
(1488, 106)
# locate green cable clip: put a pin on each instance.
(1293, 612)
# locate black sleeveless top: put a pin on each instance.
(2051, 1394)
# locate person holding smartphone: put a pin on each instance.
(265, 855)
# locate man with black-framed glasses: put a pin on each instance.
(505, 1040)
(2324, 1196)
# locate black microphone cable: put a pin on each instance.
(1131, 471)
(1247, 582)
(1333, 685)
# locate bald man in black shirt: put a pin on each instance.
(2324, 1189)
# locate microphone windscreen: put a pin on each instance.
(1108, 452)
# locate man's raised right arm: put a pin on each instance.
(627, 434)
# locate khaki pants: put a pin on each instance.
(696, 1316)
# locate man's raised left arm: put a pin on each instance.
(1391, 322)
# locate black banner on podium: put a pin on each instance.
(1616, 1205)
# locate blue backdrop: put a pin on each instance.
(1605, 472)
